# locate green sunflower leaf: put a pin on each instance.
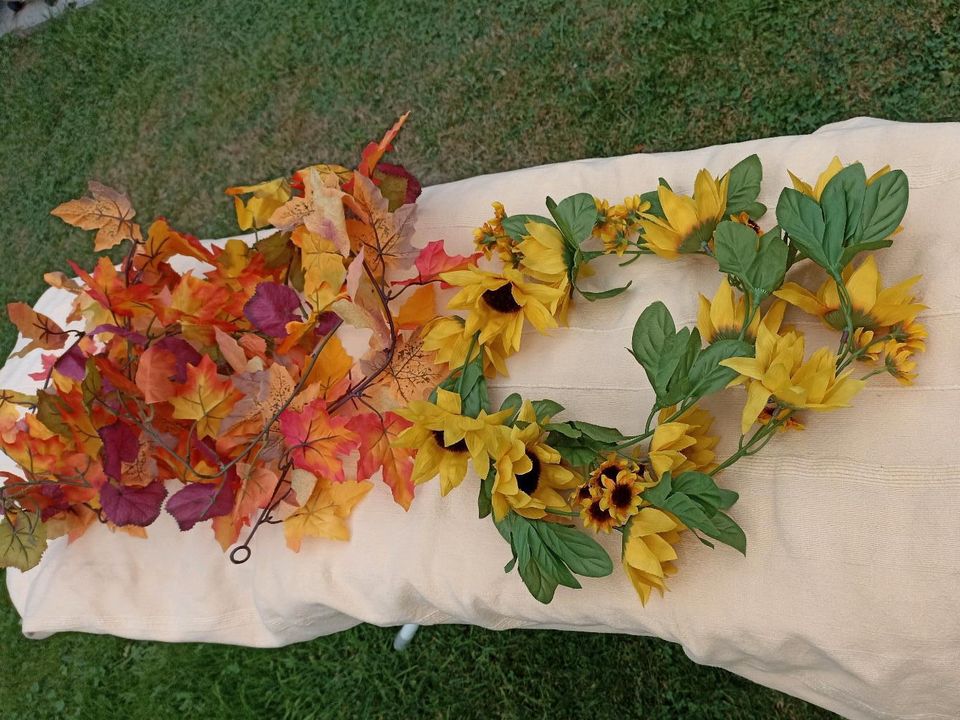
(802, 219)
(546, 409)
(581, 553)
(603, 294)
(744, 187)
(516, 225)
(484, 505)
(707, 375)
(575, 216)
(842, 203)
(604, 435)
(758, 262)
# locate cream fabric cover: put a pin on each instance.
(848, 594)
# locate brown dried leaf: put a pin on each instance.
(109, 212)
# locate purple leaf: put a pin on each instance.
(131, 335)
(127, 505)
(73, 363)
(326, 322)
(201, 501)
(183, 351)
(121, 443)
(271, 308)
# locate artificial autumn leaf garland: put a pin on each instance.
(231, 378)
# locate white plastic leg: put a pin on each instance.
(405, 635)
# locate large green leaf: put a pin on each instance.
(580, 552)
(884, 205)
(759, 262)
(744, 187)
(802, 219)
(841, 203)
(575, 216)
(707, 375)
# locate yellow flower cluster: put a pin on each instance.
(616, 223)
(529, 476)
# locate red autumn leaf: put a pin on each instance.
(201, 501)
(123, 505)
(433, 260)
(38, 328)
(121, 444)
(317, 442)
(376, 453)
(397, 184)
(373, 152)
(271, 308)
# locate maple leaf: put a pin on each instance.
(433, 260)
(230, 349)
(162, 368)
(371, 154)
(316, 441)
(410, 375)
(23, 538)
(397, 184)
(42, 332)
(108, 212)
(419, 309)
(389, 248)
(271, 308)
(376, 453)
(140, 506)
(364, 308)
(332, 366)
(205, 397)
(201, 501)
(325, 512)
(163, 243)
(320, 210)
(265, 198)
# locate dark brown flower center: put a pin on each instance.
(598, 513)
(529, 480)
(460, 446)
(611, 472)
(501, 299)
(622, 496)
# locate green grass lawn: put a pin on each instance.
(174, 101)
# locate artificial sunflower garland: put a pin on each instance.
(538, 473)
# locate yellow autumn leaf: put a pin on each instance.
(325, 512)
(108, 211)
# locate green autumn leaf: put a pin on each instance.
(22, 540)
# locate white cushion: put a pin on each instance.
(848, 594)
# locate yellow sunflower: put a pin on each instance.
(499, 302)
(529, 474)
(620, 496)
(648, 552)
(779, 370)
(688, 222)
(445, 440)
(696, 455)
(899, 362)
(543, 259)
(873, 305)
(446, 338)
(595, 517)
(722, 317)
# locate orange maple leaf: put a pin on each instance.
(320, 210)
(316, 441)
(108, 212)
(411, 374)
(163, 243)
(373, 152)
(39, 329)
(205, 397)
(376, 453)
(419, 309)
(325, 512)
(257, 484)
(332, 366)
